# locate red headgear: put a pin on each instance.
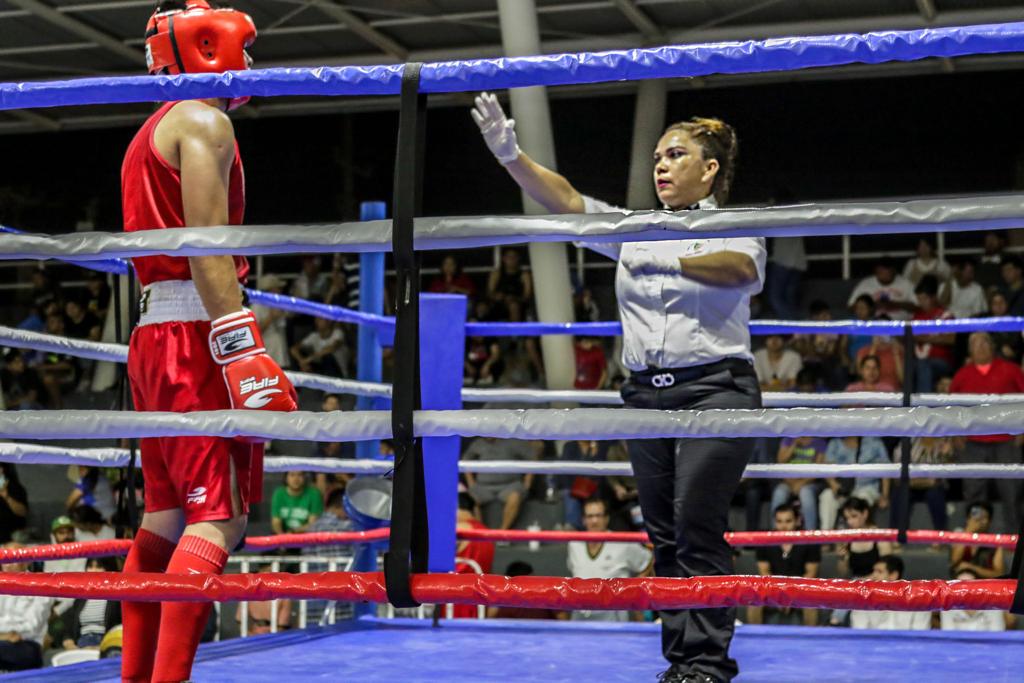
(199, 39)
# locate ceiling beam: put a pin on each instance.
(643, 23)
(80, 28)
(363, 29)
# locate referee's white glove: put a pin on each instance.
(499, 131)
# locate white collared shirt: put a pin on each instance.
(671, 321)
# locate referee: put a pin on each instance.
(685, 308)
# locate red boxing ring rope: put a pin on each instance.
(527, 591)
(63, 551)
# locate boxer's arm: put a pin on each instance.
(206, 148)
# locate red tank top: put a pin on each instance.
(151, 199)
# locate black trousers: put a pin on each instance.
(685, 488)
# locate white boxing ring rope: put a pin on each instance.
(118, 353)
(35, 454)
(537, 423)
(923, 215)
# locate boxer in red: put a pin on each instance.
(183, 169)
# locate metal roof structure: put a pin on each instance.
(60, 39)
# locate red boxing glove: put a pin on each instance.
(254, 380)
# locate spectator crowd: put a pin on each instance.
(926, 287)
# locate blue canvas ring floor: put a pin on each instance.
(466, 651)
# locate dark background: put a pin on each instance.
(951, 134)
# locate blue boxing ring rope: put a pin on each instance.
(563, 69)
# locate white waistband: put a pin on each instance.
(171, 301)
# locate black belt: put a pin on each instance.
(662, 378)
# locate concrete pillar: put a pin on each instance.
(520, 36)
(648, 123)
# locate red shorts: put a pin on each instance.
(170, 369)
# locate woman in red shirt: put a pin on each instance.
(934, 352)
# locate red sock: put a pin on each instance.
(149, 553)
(182, 623)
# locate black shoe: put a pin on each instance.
(674, 674)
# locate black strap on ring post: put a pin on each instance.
(903, 489)
(127, 502)
(408, 547)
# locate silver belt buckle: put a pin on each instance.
(663, 380)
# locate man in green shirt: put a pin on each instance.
(295, 505)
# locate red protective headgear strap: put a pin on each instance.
(198, 39)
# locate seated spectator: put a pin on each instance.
(520, 568)
(452, 280)
(98, 299)
(889, 353)
(851, 450)
(926, 263)
(973, 619)
(987, 374)
(802, 450)
(509, 489)
(273, 322)
(480, 553)
(600, 560)
(333, 520)
(261, 613)
(893, 294)
(323, 350)
(327, 482)
(787, 560)
(825, 354)
(1013, 284)
(23, 621)
(925, 450)
(44, 290)
(92, 488)
(22, 387)
(90, 525)
(80, 322)
(986, 563)
(62, 530)
(869, 372)
(484, 362)
(13, 502)
(87, 621)
(311, 282)
(585, 305)
(60, 372)
(990, 267)
(577, 489)
(889, 568)
(857, 559)
(961, 295)
(295, 505)
(933, 352)
(622, 494)
(775, 365)
(343, 282)
(1008, 345)
(863, 310)
(510, 287)
(591, 364)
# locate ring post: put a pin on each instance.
(442, 344)
(371, 300)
